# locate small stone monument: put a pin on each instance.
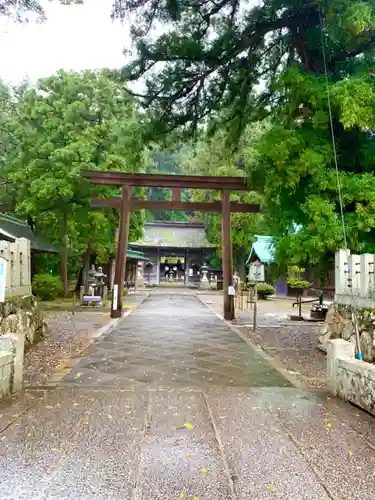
(204, 279)
(204, 270)
(97, 288)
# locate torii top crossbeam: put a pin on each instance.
(176, 182)
(166, 180)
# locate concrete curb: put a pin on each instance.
(295, 381)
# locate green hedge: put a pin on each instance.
(46, 286)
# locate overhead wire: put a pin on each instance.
(351, 272)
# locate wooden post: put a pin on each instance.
(226, 234)
(186, 275)
(122, 246)
(255, 307)
(176, 194)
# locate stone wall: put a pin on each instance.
(20, 323)
(22, 315)
(347, 377)
(6, 369)
(339, 325)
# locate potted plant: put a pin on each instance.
(295, 280)
(297, 285)
(319, 311)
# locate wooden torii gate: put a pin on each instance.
(127, 204)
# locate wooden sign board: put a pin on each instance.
(256, 273)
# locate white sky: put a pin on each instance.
(73, 38)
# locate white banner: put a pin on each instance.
(115, 297)
(3, 275)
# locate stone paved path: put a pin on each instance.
(174, 405)
(173, 340)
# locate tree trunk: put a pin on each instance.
(64, 255)
(86, 268)
(79, 280)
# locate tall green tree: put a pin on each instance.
(228, 55)
(9, 97)
(296, 167)
(165, 161)
(5, 139)
(306, 64)
(68, 123)
(212, 156)
(23, 10)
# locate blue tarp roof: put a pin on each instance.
(263, 249)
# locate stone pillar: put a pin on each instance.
(140, 281)
(15, 343)
(367, 270)
(337, 349)
(6, 363)
(341, 272)
(158, 270)
(105, 296)
(355, 273)
(186, 265)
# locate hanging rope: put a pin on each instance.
(339, 190)
(333, 134)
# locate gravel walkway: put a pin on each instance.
(296, 348)
(294, 344)
(68, 336)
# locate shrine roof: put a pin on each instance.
(135, 255)
(263, 249)
(12, 228)
(173, 234)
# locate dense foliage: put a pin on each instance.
(210, 156)
(264, 290)
(280, 91)
(307, 65)
(23, 10)
(228, 55)
(67, 123)
(165, 162)
(46, 286)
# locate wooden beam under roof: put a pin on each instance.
(197, 206)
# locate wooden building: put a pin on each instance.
(174, 251)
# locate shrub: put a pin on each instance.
(46, 286)
(264, 290)
(297, 283)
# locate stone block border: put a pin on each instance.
(12, 347)
(349, 378)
